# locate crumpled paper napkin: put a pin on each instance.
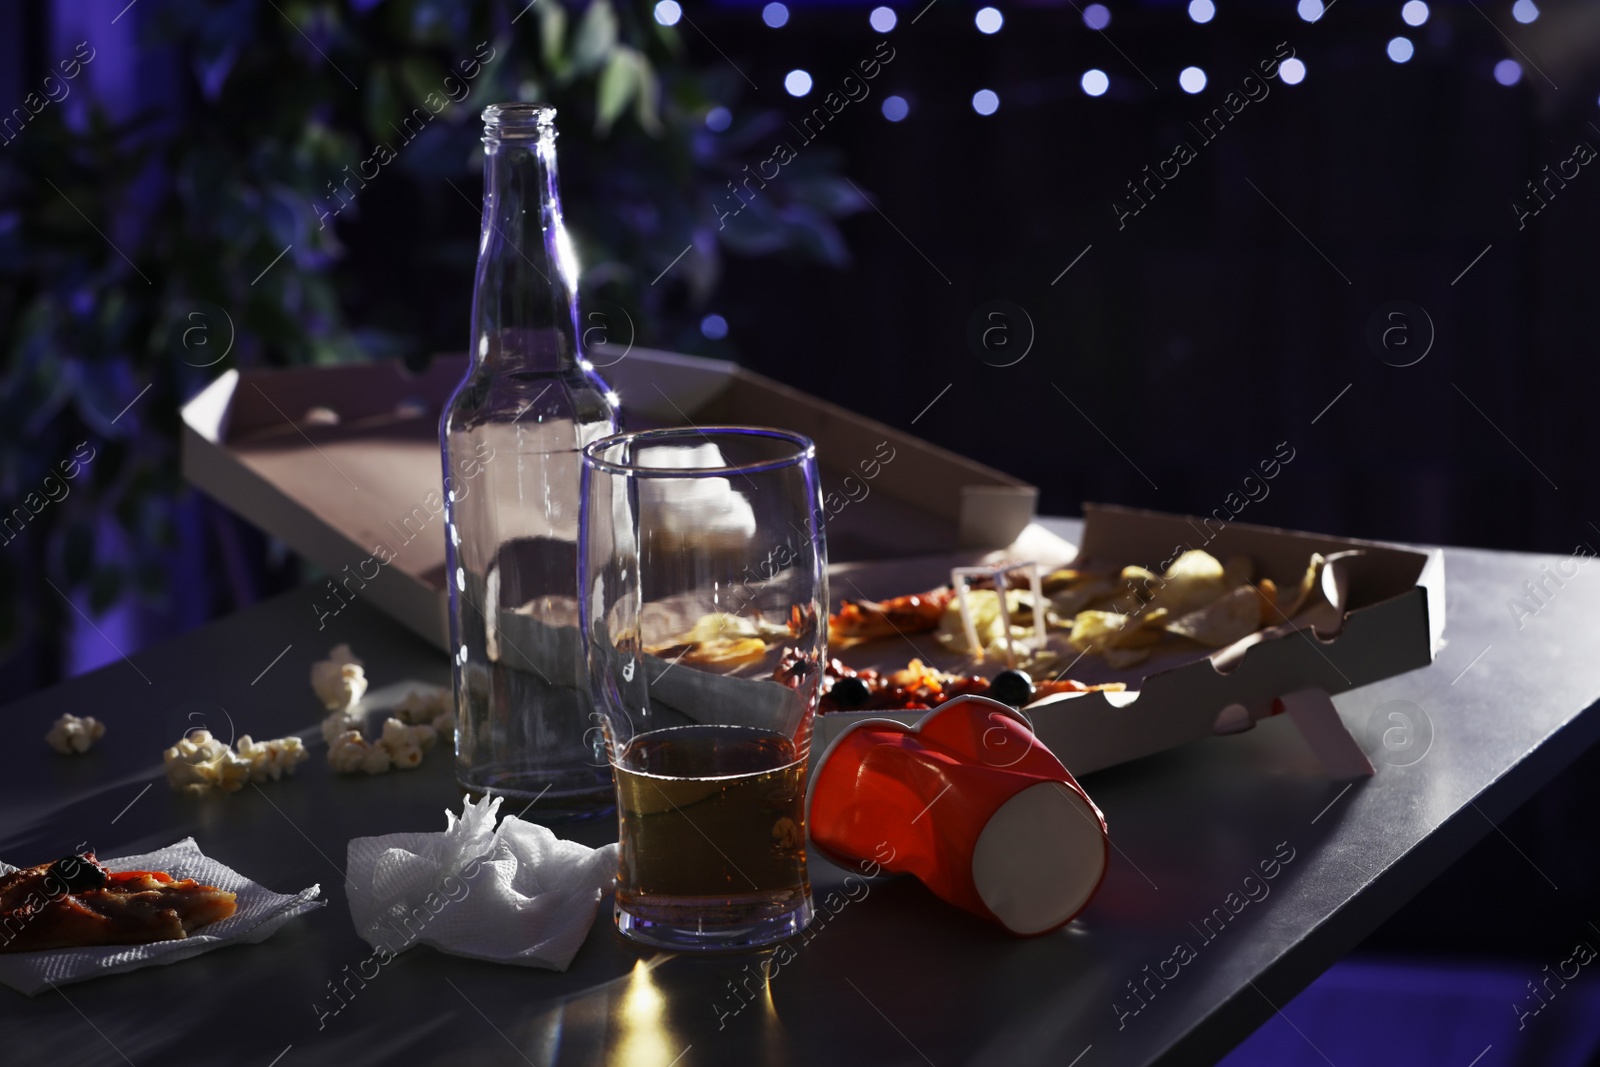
(259, 912)
(518, 894)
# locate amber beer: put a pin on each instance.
(712, 825)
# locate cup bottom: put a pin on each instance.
(669, 926)
(567, 794)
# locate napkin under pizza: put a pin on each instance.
(257, 915)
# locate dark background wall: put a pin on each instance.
(1209, 329)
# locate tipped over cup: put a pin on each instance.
(970, 802)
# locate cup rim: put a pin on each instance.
(805, 450)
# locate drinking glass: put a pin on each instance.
(703, 579)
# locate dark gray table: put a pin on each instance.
(895, 977)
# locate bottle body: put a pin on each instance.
(511, 437)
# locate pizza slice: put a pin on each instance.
(867, 620)
(76, 902)
(919, 686)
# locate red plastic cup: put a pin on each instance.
(970, 802)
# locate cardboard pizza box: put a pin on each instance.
(265, 444)
(1381, 614)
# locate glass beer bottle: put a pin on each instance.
(512, 435)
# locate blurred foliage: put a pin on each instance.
(135, 249)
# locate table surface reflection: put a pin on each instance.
(889, 976)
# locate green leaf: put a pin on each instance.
(379, 103)
(596, 37)
(647, 104)
(618, 84)
(553, 35)
(627, 77)
(420, 78)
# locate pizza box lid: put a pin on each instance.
(333, 492)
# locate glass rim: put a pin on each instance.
(804, 449)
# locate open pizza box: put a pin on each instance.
(1379, 612)
(335, 461)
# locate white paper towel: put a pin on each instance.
(518, 894)
(258, 914)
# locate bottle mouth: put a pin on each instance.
(502, 121)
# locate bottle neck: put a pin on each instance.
(524, 307)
